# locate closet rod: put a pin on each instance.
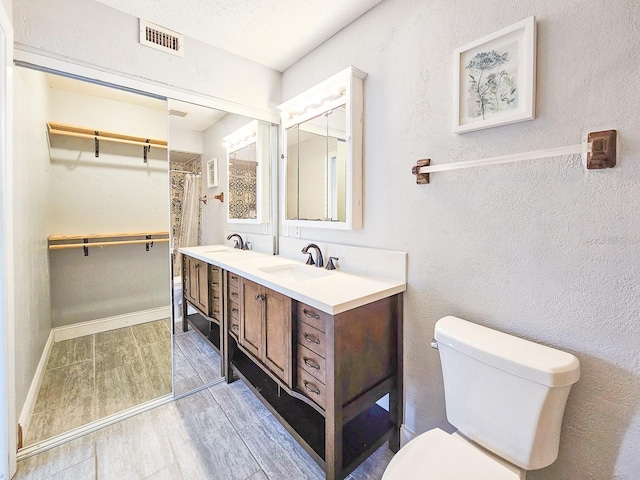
(81, 132)
(64, 246)
(600, 149)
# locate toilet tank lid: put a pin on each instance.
(535, 362)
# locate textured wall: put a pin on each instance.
(91, 33)
(542, 249)
(31, 225)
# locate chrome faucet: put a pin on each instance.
(319, 262)
(239, 243)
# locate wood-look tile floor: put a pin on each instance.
(222, 432)
(88, 378)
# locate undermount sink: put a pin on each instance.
(295, 272)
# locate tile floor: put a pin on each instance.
(222, 432)
(91, 377)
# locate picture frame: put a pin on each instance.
(212, 173)
(494, 78)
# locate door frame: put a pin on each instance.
(8, 418)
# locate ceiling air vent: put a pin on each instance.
(160, 38)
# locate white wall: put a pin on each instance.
(114, 193)
(32, 223)
(541, 249)
(88, 32)
(185, 140)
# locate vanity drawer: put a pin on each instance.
(234, 294)
(233, 279)
(312, 338)
(311, 387)
(234, 317)
(216, 309)
(311, 362)
(312, 316)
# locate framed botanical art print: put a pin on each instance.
(212, 173)
(494, 78)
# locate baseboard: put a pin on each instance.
(406, 435)
(34, 388)
(110, 323)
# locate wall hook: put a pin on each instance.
(220, 197)
(145, 150)
(204, 199)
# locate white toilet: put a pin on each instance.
(505, 395)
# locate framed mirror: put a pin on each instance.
(322, 154)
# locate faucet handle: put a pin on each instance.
(310, 259)
(330, 264)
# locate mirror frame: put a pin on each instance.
(346, 88)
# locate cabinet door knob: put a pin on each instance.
(310, 338)
(312, 388)
(310, 364)
(259, 297)
(310, 314)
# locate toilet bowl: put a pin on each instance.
(506, 398)
(439, 455)
(177, 299)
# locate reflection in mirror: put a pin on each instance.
(316, 168)
(248, 158)
(95, 336)
(243, 169)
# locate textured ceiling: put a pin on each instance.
(275, 33)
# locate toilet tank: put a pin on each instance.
(505, 393)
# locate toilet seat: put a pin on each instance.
(437, 455)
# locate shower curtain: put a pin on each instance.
(190, 218)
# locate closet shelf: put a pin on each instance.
(82, 132)
(82, 241)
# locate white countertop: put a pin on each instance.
(331, 291)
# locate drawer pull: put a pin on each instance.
(234, 295)
(311, 314)
(235, 310)
(310, 364)
(234, 277)
(310, 338)
(259, 298)
(234, 326)
(312, 388)
(214, 285)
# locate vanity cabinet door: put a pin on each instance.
(191, 274)
(251, 317)
(202, 299)
(277, 342)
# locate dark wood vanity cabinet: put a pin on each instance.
(320, 374)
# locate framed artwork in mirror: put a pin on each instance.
(494, 78)
(212, 173)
